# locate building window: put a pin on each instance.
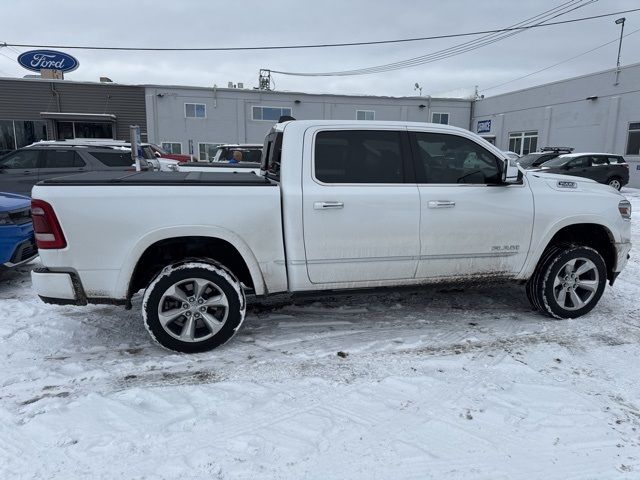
(271, 114)
(365, 115)
(633, 140)
(195, 110)
(523, 143)
(70, 130)
(172, 147)
(441, 118)
(20, 133)
(206, 151)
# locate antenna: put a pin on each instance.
(264, 79)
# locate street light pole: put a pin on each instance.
(619, 21)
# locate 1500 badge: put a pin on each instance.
(505, 248)
(567, 184)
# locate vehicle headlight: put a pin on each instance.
(624, 207)
(5, 219)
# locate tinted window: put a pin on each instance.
(581, 162)
(557, 162)
(21, 159)
(452, 159)
(114, 158)
(271, 155)
(358, 156)
(613, 160)
(62, 159)
(599, 161)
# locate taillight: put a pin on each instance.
(46, 226)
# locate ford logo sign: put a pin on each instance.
(37, 60)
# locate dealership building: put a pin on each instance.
(196, 120)
(599, 112)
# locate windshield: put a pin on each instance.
(556, 162)
(528, 159)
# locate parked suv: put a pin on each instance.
(601, 167)
(535, 159)
(23, 168)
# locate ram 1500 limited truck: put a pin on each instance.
(338, 205)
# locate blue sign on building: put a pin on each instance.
(37, 60)
(484, 126)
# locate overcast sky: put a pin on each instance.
(202, 23)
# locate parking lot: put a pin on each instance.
(427, 383)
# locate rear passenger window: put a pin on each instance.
(444, 158)
(62, 159)
(114, 158)
(358, 156)
(581, 162)
(614, 160)
(600, 161)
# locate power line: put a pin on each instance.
(561, 62)
(464, 47)
(320, 45)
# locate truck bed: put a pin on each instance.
(218, 179)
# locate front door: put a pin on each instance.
(470, 224)
(361, 206)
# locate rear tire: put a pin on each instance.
(568, 281)
(615, 182)
(193, 307)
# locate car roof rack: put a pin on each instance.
(557, 149)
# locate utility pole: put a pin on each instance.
(620, 21)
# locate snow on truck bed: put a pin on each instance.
(424, 383)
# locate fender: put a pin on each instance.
(539, 245)
(132, 257)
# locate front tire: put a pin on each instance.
(568, 282)
(193, 307)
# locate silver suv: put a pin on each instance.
(22, 169)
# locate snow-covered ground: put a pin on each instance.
(424, 383)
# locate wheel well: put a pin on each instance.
(173, 250)
(591, 235)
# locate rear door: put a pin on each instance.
(600, 170)
(60, 162)
(361, 207)
(19, 171)
(619, 168)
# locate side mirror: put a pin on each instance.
(157, 154)
(567, 167)
(510, 171)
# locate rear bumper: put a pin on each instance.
(55, 287)
(65, 288)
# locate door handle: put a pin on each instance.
(327, 205)
(441, 204)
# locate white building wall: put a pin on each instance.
(229, 112)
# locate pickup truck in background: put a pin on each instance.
(247, 160)
(338, 205)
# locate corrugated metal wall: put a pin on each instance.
(24, 99)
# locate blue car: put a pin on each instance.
(17, 243)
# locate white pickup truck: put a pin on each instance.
(339, 205)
